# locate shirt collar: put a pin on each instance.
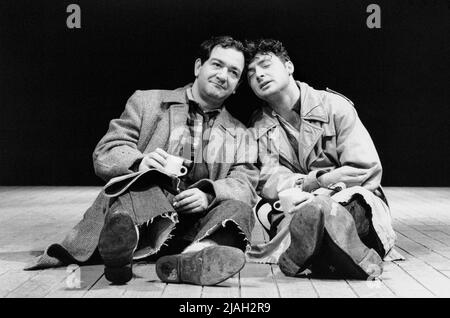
(195, 107)
(296, 108)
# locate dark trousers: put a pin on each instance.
(229, 223)
(162, 231)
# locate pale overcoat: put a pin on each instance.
(331, 136)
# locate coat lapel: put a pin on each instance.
(312, 110)
(177, 127)
(170, 123)
(279, 142)
(309, 136)
(288, 156)
(159, 137)
(221, 149)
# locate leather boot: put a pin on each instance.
(117, 242)
(345, 250)
(209, 266)
(306, 229)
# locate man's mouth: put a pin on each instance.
(218, 85)
(264, 84)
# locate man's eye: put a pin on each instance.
(265, 65)
(215, 64)
(250, 74)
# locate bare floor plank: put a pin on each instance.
(293, 287)
(370, 289)
(13, 275)
(402, 284)
(105, 289)
(425, 239)
(145, 283)
(78, 282)
(12, 279)
(330, 288)
(182, 291)
(257, 281)
(227, 289)
(435, 281)
(40, 285)
(430, 257)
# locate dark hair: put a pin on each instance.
(223, 41)
(265, 46)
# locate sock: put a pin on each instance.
(197, 246)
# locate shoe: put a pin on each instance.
(306, 229)
(209, 266)
(346, 250)
(117, 242)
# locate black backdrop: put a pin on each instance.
(59, 87)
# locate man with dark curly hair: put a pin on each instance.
(314, 140)
(196, 224)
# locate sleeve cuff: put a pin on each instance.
(310, 182)
(135, 166)
(207, 187)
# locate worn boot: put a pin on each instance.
(117, 242)
(209, 266)
(306, 229)
(345, 249)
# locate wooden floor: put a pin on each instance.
(33, 217)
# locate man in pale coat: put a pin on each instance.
(314, 140)
(197, 226)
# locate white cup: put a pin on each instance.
(174, 165)
(288, 198)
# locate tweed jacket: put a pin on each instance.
(331, 136)
(157, 119)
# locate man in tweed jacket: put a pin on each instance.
(199, 228)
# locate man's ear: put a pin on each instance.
(197, 66)
(290, 67)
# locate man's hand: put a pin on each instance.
(349, 175)
(155, 159)
(301, 201)
(191, 201)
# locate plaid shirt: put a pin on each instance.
(199, 124)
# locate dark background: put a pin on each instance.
(59, 87)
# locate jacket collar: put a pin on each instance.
(178, 105)
(311, 109)
(177, 96)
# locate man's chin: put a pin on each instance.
(265, 94)
(218, 94)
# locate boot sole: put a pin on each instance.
(210, 266)
(357, 261)
(117, 242)
(300, 253)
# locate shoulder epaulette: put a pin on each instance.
(334, 92)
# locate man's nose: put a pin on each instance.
(222, 74)
(259, 75)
